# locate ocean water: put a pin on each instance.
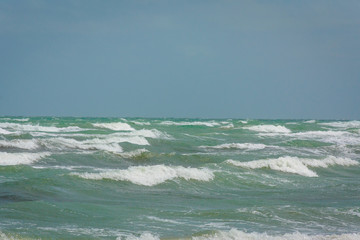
(135, 178)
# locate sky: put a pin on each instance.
(180, 58)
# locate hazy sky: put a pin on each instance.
(181, 58)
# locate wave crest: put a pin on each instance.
(116, 126)
(9, 159)
(151, 175)
(295, 165)
(269, 129)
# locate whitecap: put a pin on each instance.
(294, 164)
(268, 129)
(134, 154)
(7, 159)
(343, 124)
(116, 126)
(150, 175)
(143, 236)
(4, 132)
(141, 123)
(61, 143)
(237, 234)
(20, 143)
(38, 128)
(197, 123)
(249, 146)
(228, 126)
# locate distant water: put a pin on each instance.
(115, 178)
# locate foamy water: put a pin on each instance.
(136, 178)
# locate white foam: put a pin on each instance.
(269, 128)
(143, 236)
(20, 143)
(7, 159)
(294, 164)
(151, 175)
(310, 121)
(337, 137)
(4, 132)
(116, 126)
(38, 128)
(152, 133)
(134, 154)
(141, 123)
(91, 144)
(249, 146)
(234, 234)
(228, 126)
(343, 124)
(197, 123)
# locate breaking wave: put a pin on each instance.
(207, 124)
(248, 146)
(4, 132)
(37, 128)
(7, 159)
(116, 126)
(345, 124)
(19, 143)
(294, 164)
(269, 129)
(234, 234)
(151, 175)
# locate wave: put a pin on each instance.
(207, 124)
(151, 175)
(116, 126)
(269, 129)
(344, 124)
(295, 165)
(4, 132)
(310, 121)
(233, 234)
(15, 119)
(148, 133)
(38, 128)
(227, 126)
(237, 234)
(141, 123)
(249, 146)
(7, 159)
(138, 153)
(336, 137)
(18, 143)
(92, 144)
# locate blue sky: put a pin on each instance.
(181, 58)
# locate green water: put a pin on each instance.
(115, 178)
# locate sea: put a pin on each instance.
(164, 178)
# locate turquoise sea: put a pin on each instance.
(138, 178)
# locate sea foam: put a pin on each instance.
(234, 234)
(19, 143)
(4, 132)
(343, 124)
(247, 146)
(207, 124)
(151, 175)
(7, 159)
(269, 129)
(237, 234)
(294, 164)
(38, 128)
(116, 126)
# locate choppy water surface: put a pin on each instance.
(115, 178)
